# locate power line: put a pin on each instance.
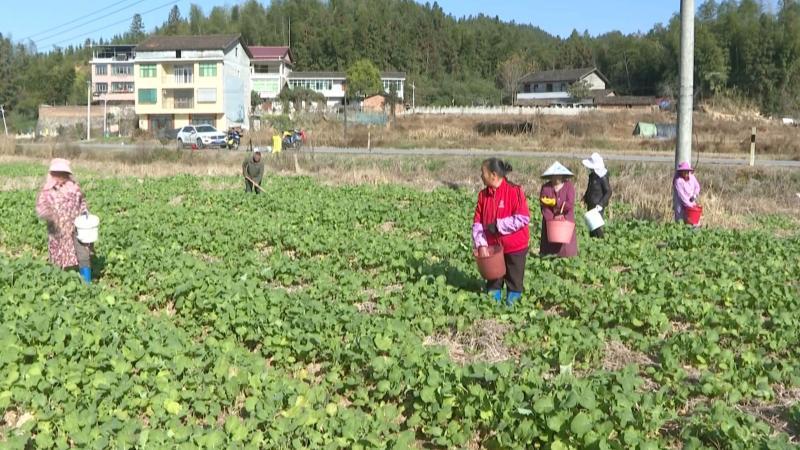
(50, 36)
(73, 21)
(172, 2)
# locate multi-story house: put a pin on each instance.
(270, 70)
(183, 80)
(112, 74)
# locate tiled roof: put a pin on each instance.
(223, 42)
(568, 75)
(261, 53)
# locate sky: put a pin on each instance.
(65, 22)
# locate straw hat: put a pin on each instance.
(557, 169)
(60, 165)
(685, 167)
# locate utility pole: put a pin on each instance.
(683, 152)
(413, 98)
(3, 112)
(105, 115)
(88, 109)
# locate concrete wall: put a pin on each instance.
(53, 117)
(505, 110)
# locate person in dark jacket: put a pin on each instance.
(502, 217)
(598, 191)
(253, 171)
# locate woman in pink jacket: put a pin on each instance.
(685, 190)
(59, 203)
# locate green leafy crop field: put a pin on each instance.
(351, 317)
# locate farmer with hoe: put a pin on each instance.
(59, 203)
(502, 218)
(557, 198)
(253, 171)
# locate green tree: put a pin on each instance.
(363, 79)
(579, 90)
(196, 19)
(136, 32)
(173, 21)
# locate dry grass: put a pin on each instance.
(617, 356)
(713, 133)
(7, 145)
(482, 342)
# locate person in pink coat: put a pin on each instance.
(59, 203)
(557, 199)
(685, 190)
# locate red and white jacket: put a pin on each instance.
(506, 207)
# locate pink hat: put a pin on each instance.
(685, 167)
(60, 165)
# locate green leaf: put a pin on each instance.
(172, 407)
(544, 404)
(581, 424)
(382, 342)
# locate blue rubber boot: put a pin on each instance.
(513, 297)
(86, 274)
(496, 295)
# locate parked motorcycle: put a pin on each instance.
(233, 139)
(294, 139)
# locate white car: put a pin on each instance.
(200, 135)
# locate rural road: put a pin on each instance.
(564, 155)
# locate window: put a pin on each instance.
(206, 95)
(147, 71)
(549, 87)
(203, 120)
(184, 99)
(265, 69)
(316, 85)
(101, 87)
(122, 87)
(208, 69)
(178, 54)
(266, 86)
(101, 69)
(387, 85)
(122, 69)
(147, 96)
(183, 74)
(563, 87)
(527, 87)
(206, 129)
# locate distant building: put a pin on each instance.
(552, 86)
(112, 73)
(183, 80)
(332, 84)
(270, 69)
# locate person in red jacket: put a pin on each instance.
(502, 217)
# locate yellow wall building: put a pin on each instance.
(182, 80)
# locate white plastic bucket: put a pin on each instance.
(593, 219)
(87, 225)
